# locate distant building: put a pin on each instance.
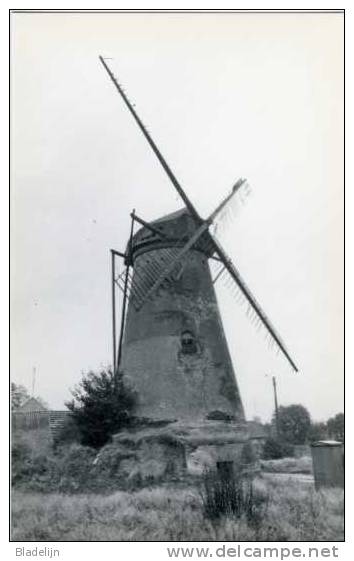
(32, 404)
(33, 415)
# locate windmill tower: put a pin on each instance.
(172, 343)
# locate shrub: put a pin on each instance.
(74, 468)
(103, 404)
(31, 456)
(32, 471)
(19, 455)
(36, 466)
(69, 433)
(274, 449)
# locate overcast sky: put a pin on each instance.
(224, 96)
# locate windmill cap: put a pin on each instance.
(176, 229)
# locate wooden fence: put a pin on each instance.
(29, 420)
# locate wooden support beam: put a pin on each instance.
(148, 226)
(118, 253)
(113, 274)
(125, 295)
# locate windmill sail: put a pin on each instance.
(151, 142)
(148, 272)
(236, 276)
(154, 276)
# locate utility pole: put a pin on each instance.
(276, 406)
(33, 380)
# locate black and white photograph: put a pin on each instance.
(176, 277)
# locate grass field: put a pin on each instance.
(294, 512)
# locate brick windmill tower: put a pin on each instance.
(172, 343)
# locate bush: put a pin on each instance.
(36, 466)
(74, 468)
(69, 433)
(232, 496)
(32, 471)
(31, 456)
(103, 404)
(274, 449)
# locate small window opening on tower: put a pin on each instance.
(188, 343)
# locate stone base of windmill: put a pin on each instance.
(176, 452)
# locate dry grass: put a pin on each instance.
(294, 513)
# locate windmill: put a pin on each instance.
(172, 343)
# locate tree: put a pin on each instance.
(19, 395)
(294, 424)
(318, 431)
(103, 404)
(335, 427)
